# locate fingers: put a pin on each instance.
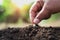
(43, 14)
(35, 9)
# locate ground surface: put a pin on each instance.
(30, 33)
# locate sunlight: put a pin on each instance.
(1, 1)
(20, 3)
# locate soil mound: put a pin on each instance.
(30, 33)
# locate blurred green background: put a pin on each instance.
(15, 13)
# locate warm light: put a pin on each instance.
(20, 3)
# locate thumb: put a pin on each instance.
(45, 13)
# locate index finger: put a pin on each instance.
(36, 7)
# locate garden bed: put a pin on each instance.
(31, 33)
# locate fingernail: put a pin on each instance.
(36, 21)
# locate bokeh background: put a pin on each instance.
(15, 13)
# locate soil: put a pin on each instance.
(30, 33)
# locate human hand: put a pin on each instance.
(42, 9)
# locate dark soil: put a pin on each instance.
(30, 33)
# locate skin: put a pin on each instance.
(43, 9)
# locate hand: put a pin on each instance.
(42, 9)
